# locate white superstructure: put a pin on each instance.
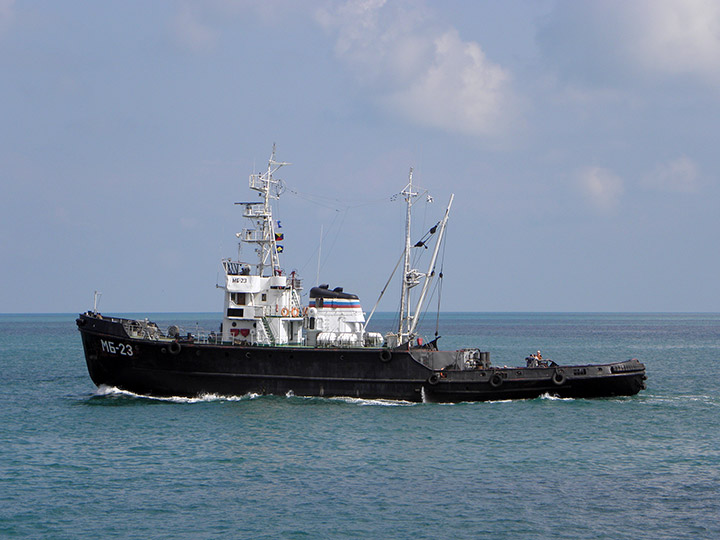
(335, 319)
(262, 304)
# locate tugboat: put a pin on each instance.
(270, 343)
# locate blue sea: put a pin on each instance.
(82, 462)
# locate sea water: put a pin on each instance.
(81, 462)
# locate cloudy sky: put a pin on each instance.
(578, 137)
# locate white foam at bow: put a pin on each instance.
(110, 391)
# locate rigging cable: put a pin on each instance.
(383, 291)
(437, 286)
(440, 284)
(341, 209)
(322, 241)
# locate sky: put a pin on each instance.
(579, 138)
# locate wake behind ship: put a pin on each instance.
(269, 342)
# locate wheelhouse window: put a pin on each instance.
(238, 298)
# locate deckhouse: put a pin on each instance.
(335, 319)
(262, 304)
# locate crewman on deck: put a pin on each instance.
(532, 360)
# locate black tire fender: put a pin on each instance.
(559, 377)
(496, 380)
(433, 379)
(174, 347)
(385, 355)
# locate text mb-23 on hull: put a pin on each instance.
(270, 343)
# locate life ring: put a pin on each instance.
(385, 355)
(174, 347)
(305, 310)
(496, 380)
(284, 312)
(559, 377)
(295, 312)
(434, 379)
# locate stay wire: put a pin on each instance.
(341, 209)
(334, 241)
(437, 287)
(322, 241)
(334, 203)
(440, 285)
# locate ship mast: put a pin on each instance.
(412, 277)
(409, 276)
(264, 234)
(431, 267)
(407, 192)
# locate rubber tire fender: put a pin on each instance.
(174, 347)
(496, 380)
(558, 377)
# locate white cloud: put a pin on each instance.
(679, 175)
(459, 91)
(602, 188)
(677, 37)
(428, 75)
(616, 38)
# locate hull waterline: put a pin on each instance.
(177, 368)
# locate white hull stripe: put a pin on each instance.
(337, 303)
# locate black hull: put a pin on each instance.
(167, 368)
